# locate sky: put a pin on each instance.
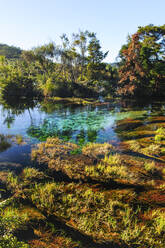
(30, 23)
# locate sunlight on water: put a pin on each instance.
(84, 126)
(80, 124)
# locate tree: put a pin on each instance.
(10, 52)
(142, 69)
(80, 41)
(14, 81)
(95, 58)
(69, 60)
(41, 67)
(75, 68)
(131, 72)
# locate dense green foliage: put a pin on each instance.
(14, 80)
(10, 52)
(76, 68)
(142, 70)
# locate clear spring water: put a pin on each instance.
(76, 124)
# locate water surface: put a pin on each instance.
(79, 124)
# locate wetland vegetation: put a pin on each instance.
(82, 157)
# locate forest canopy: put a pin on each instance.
(142, 66)
(77, 67)
(10, 52)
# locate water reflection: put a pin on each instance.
(13, 107)
(81, 124)
(4, 143)
(37, 121)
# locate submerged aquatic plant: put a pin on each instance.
(110, 167)
(19, 139)
(11, 220)
(13, 180)
(81, 127)
(160, 134)
(66, 126)
(31, 175)
(134, 145)
(150, 167)
(10, 241)
(97, 150)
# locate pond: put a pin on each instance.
(79, 124)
